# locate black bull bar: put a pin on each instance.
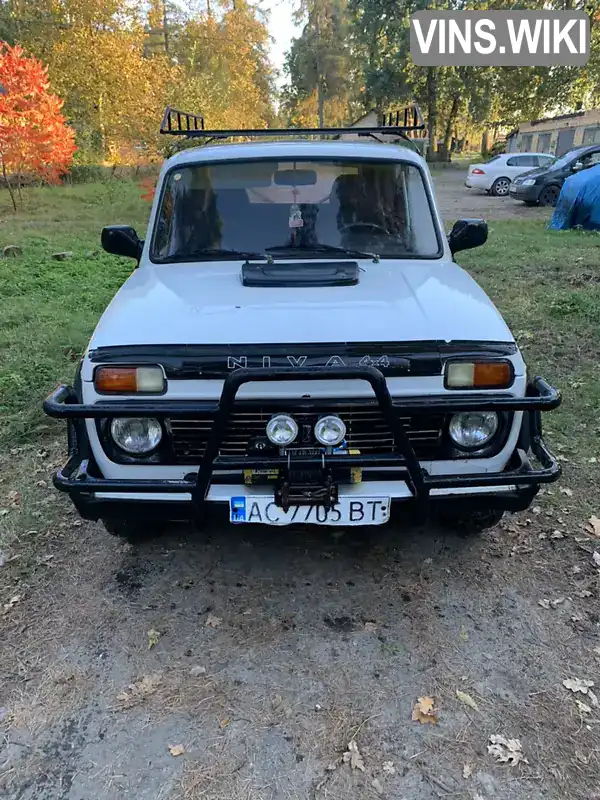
(75, 478)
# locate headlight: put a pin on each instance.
(330, 430)
(282, 430)
(529, 182)
(136, 435)
(472, 430)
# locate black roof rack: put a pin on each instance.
(181, 123)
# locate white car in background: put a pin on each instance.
(496, 175)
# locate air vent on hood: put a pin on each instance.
(328, 273)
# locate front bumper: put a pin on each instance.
(96, 496)
(527, 194)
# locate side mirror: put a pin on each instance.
(122, 240)
(577, 166)
(467, 233)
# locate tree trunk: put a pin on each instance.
(485, 141)
(8, 186)
(449, 125)
(320, 93)
(431, 112)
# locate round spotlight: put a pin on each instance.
(330, 430)
(282, 430)
(472, 430)
(136, 435)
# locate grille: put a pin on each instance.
(367, 430)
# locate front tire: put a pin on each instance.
(549, 196)
(133, 531)
(471, 523)
(500, 187)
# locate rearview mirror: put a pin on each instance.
(122, 240)
(467, 233)
(295, 177)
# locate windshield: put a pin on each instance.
(258, 206)
(567, 158)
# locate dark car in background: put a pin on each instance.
(542, 185)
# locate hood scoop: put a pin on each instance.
(298, 273)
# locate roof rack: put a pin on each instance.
(181, 123)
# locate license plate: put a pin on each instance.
(350, 510)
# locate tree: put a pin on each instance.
(33, 135)
(319, 67)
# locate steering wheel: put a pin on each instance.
(372, 226)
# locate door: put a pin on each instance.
(565, 141)
(516, 165)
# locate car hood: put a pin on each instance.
(206, 303)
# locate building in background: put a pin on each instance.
(373, 118)
(556, 135)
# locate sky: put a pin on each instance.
(281, 28)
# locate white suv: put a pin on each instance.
(298, 345)
(496, 175)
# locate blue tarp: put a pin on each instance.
(579, 202)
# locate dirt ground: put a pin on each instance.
(456, 200)
(241, 663)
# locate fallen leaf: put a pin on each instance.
(424, 711)
(153, 637)
(138, 691)
(578, 685)
(464, 634)
(506, 750)
(467, 700)
(568, 492)
(388, 766)
(176, 749)
(225, 722)
(353, 756)
(14, 497)
(575, 569)
(594, 526)
(370, 627)
(212, 621)
(596, 558)
(544, 603)
(584, 593)
(557, 602)
(467, 770)
(557, 535)
(536, 510)
(3, 512)
(197, 670)
(583, 707)
(12, 602)
(376, 784)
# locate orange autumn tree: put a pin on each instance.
(34, 137)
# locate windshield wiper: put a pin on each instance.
(322, 248)
(209, 253)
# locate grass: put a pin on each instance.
(49, 308)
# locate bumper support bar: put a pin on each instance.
(76, 479)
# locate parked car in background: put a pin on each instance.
(495, 175)
(542, 185)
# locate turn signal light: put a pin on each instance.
(479, 375)
(129, 380)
